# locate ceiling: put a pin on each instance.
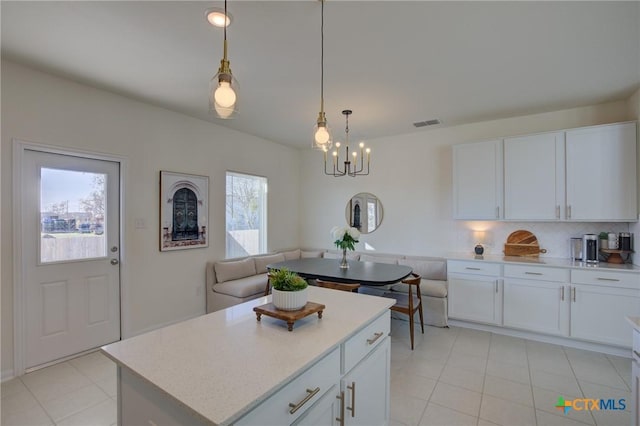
(392, 62)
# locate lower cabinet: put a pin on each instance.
(541, 306)
(635, 380)
(325, 412)
(475, 292)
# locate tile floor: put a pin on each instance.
(453, 377)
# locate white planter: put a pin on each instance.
(289, 300)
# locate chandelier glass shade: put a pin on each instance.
(351, 165)
(321, 132)
(223, 87)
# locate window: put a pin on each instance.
(246, 215)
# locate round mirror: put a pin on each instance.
(364, 212)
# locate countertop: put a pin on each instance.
(635, 323)
(223, 364)
(544, 261)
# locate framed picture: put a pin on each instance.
(184, 211)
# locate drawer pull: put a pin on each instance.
(607, 279)
(557, 212)
(341, 418)
(637, 353)
(352, 388)
(376, 337)
(295, 407)
(534, 273)
(574, 293)
(473, 269)
(562, 293)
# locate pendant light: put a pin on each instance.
(223, 88)
(321, 134)
(351, 167)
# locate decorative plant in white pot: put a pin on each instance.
(345, 238)
(289, 290)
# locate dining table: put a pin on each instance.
(364, 273)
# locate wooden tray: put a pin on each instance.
(522, 243)
(289, 316)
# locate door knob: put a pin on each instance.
(114, 261)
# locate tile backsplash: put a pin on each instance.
(552, 236)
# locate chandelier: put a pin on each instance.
(351, 166)
(321, 135)
(223, 88)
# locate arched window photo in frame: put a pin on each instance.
(364, 212)
(184, 211)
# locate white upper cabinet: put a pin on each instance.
(601, 173)
(534, 177)
(477, 180)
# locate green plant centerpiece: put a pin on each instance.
(345, 239)
(289, 290)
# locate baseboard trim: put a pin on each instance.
(6, 375)
(557, 340)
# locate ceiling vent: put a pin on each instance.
(426, 123)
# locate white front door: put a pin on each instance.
(71, 251)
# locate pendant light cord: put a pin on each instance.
(321, 58)
(225, 29)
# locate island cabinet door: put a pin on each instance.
(366, 389)
(325, 412)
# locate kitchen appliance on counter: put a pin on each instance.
(575, 245)
(590, 248)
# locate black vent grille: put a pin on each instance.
(426, 123)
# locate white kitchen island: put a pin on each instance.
(228, 368)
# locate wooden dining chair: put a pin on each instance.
(338, 286)
(408, 303)
(267, 288)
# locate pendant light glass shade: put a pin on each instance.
(223, 88)
(321, 132)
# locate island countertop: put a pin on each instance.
(221, 365)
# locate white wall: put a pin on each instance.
(411, 175)
(162, 287)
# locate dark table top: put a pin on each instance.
(365, 273)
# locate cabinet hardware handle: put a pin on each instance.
(472, 269)
(574, 293)
(534, 273)
(496, 286)
(558, 212)
(341, 418)
(353, 399)
(562, 293)
(637, 353)
(497, 212)
(376, 337)
(607, 279)
(310, 394)
(569, 211)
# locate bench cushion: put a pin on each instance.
(291, 254)
(243, 287)
(432, 288)
(335, 255)
(379, 259)
(233, 270)
(305, 254)
(263, 261)
(427, 269)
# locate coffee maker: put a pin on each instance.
(590, 248)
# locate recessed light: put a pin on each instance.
(216, 17)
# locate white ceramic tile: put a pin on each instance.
(612, 418)
(483, 422)
(456, 398)
(547, 419)
(412, 385)
(12, 387)
(506, 389)
(622, 365)
(474, 347)
(95, 365)
(406, 410)
(506, 413)
(556, 364)
(17, 402)
(35, 416)
(514, 372)
(109, 386)
(467, 362)
(546, 400)
(462, 378)
(54, 381)
(561, 384)
(596, 391)
(73, 402)
(581, 355)
(512, 355)
(598, 372)
(103, 414)
(432, 352)
(437, 415)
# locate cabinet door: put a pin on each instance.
(366, 389)
(601, 173)
(598, 313)
(534, 305)
(635, 391)
(534, 177)
(325, 412)
(477, 180)
(475, 298)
